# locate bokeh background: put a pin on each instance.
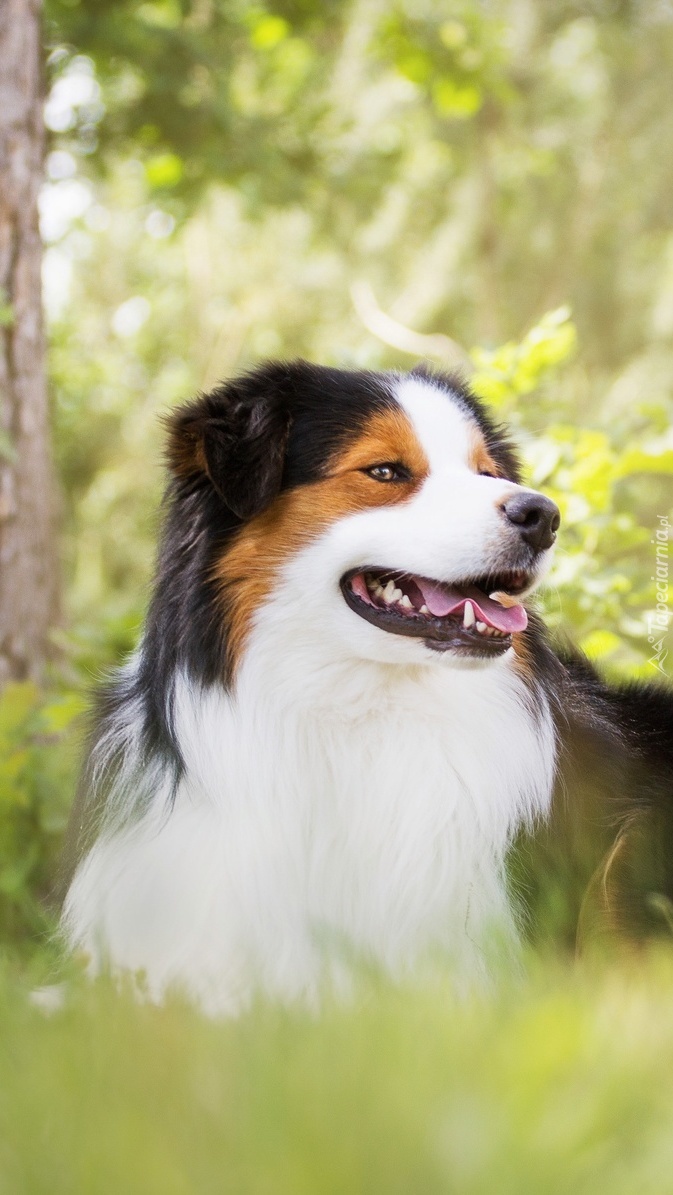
(484, 184)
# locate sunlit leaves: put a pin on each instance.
(597, 645)
(456, 99)
(267, 31)
(504, 374)
(199, 84)
(643, 460)
(161, 14)
(459, 63)
(164, 170)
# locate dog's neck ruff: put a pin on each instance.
(352, 809)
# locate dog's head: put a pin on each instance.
(384, 511)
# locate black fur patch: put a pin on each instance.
(237, 436)
(230, 453)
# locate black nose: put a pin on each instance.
(537, 518)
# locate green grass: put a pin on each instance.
(559, 1083)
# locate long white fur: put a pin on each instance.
(354, 795)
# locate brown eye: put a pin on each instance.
(384, 472)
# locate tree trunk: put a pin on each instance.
(28, 553)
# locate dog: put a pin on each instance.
(343, 712)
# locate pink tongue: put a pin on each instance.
(442, 600)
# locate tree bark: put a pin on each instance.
(28, 552)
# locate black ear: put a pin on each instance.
(237, 436)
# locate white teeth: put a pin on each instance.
(405, 602)
(424, 609)
(397, 595)
(468, 615)
(388, 592)
(481, 627)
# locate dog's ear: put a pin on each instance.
(236, 436)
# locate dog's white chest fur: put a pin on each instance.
(366, 816)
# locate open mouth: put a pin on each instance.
(474, 617)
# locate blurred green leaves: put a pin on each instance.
(196, 89)
(601, 587)
(36, 778)
(506, 374)
(267, 31)
(164, 170)
(458, 64)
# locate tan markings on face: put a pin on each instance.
(479, 458)
(247, 571)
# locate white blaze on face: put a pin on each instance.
(459, 521)
(442, 427)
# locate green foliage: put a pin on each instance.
(200, 90)
(458, 64)
(509, 373)
(515, 125)
(36, 778)
(601, 586)
(559, 1084)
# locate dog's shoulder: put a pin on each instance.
(601, 867)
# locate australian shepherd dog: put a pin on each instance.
(342, 711)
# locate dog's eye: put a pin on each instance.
(486, 473)
(386, 472)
